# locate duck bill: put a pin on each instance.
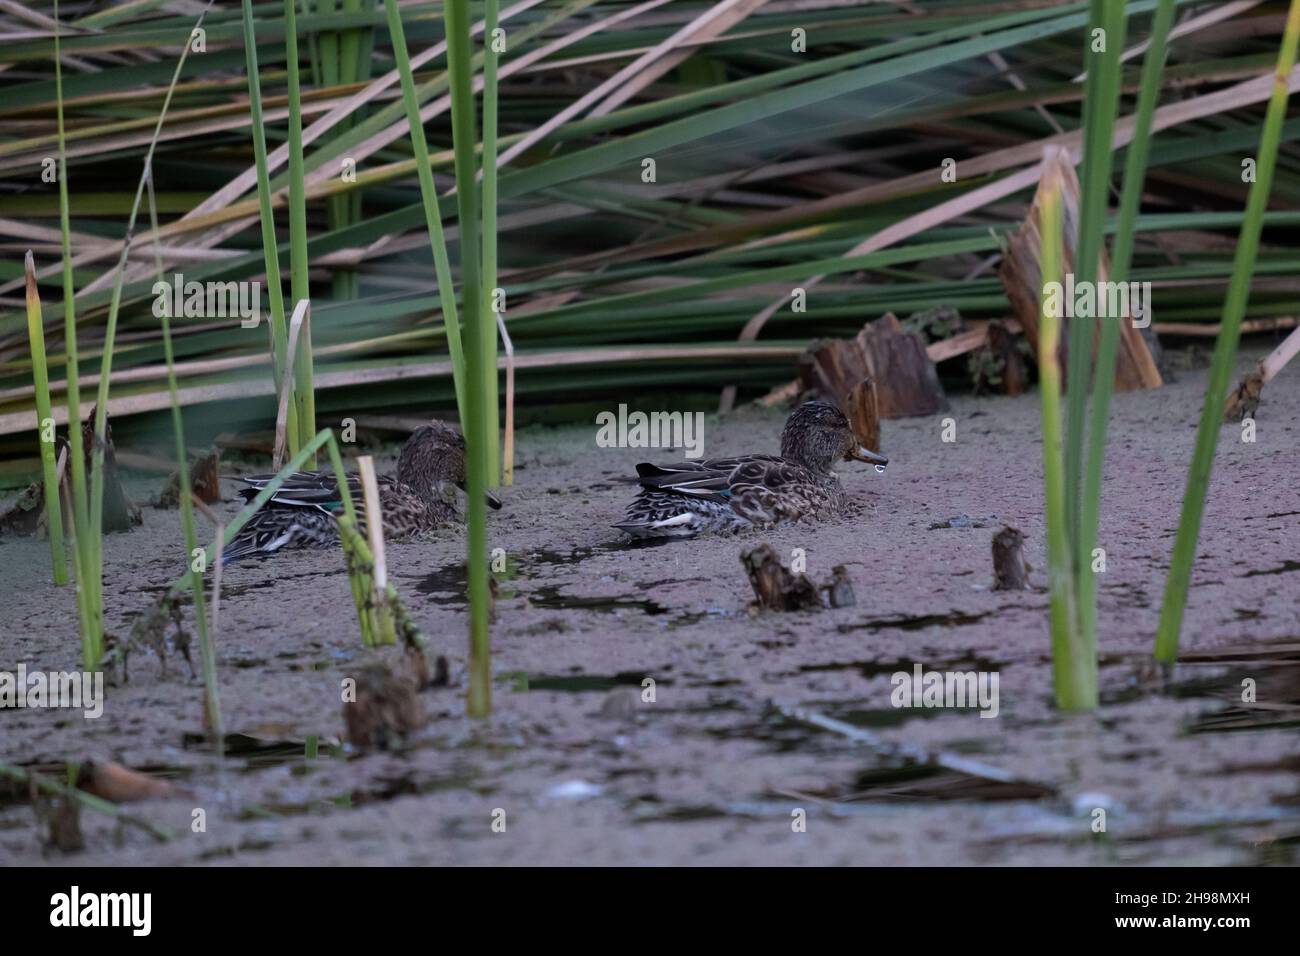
(492, 500)
(870, 457)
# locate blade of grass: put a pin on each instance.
(45, 424)
(207, 653)
(1070, 665)
(95, 571)
(490, 109)
(299, 286)
(1225, 352)
(477, 322)
(275, 292)
(1135, 166)
(78, 500)
(1100, 102)
(432, 213)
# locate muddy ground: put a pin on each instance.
(712, 771)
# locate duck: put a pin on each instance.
(303, 511)
(724, 495)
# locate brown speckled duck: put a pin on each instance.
(301, 514)
(731, 494)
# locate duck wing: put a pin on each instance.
(713, 478)
(317, 489)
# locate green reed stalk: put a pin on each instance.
(358, 580)
(1100, 102)
(1074, 669)
(432, 214)
(94, 579)
(299, 286)
(493, 398)
(45, 423)
(207, 653)
(1135, 167)
(274, 290)
(477, 323)
(1225, 352)
(83, 547)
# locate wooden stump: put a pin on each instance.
(775, 587)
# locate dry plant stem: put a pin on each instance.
(45, 425)
(383, 614)
(358, 581)
(508, 451)
(284, 417)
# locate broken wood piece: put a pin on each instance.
(775, 587)
(119, 784)
(205, 481)
(1244, 399)
(863, 413)
(1022, 277)
(1010, 573)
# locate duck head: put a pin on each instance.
(817, 435)
(433, 461)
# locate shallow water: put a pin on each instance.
(587, 770)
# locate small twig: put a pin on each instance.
(909, 753)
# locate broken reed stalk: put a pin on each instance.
(491, 294)
(382, 617)
(1225, 352)
(479, 329)
(1135, 167)
(194, 554)
(432, 213)
(299, 286)
(284, 413)
(1074, 673)
(77, 500)
(275, 293)
(45, 423)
